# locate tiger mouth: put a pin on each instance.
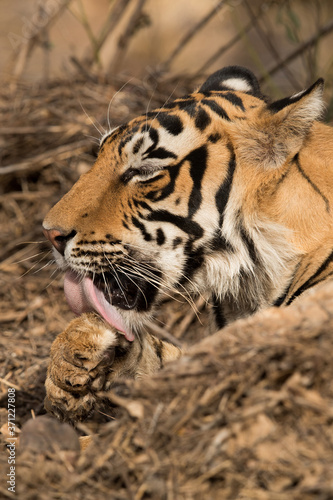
(125, 291)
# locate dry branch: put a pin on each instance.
(325, 30)
(191, 34)
(125, 38)
(226, 46)
(114, 17)
(266, 39)
(27, 47)
(43, 159)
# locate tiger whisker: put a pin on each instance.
(111, 100)
(189, 300)
(94, 139)
(44, 255)
(116, 278)
(45, 265)
(139, 288)
(51, 282)
(31, 257)
(106, 285)
(92, 121)
(157, 283)
(195, 287)
(147, 108)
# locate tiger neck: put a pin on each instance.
(302, 198)
(309, 215)
(292, 242)
(279, 276)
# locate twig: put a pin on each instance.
(266, 39)
(300, 49)
(190, 34)
(26, 48)
(111, 23)
(51, 129)
(225, 47)
(43, 159)
(162, 333)
(25, 195)
(190, 316)
(11, 245)
(10, 384)
(124, 39)
(85, 23)
(80, 66)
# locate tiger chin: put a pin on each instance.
(221, 192)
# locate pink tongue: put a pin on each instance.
(83, 296)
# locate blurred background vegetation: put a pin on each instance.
(287, 43)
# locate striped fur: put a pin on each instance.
(219, 192)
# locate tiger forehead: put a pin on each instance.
(199, 110)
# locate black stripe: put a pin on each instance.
(249, 245)
(309, 282)
(214, 138)
(198, 161)
(153, 134)
(218, 314)
(140, 204)
(189, 107)
(150, 114)
(223, 193)
(202, 119)
(194, 261)
(137, 145)
(147, 236)
(219, 242)
(171, 123)
(126, 139)
(160, 153)
(280, 300)
(312, 184)
(314, 283)
(174, 104)
(282, 178)
(160, 236)
(176, 242)
(234, 99)
(216, 108)
(161, 194)
(189, 227)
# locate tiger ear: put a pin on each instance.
(232, 78)
(279, 131)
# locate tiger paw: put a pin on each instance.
(87, 357)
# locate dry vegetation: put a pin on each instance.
(248, 413)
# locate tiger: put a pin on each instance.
(223, 192)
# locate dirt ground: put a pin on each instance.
(247, 414)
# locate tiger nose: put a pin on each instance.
(58, 239)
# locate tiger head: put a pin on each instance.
(188, 198)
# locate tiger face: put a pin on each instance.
(186, 199)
